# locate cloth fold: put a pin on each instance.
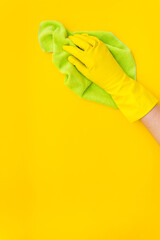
(53, 35)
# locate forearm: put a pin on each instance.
(152, 122)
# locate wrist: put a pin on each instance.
(119, 85)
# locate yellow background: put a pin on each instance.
(69, 168)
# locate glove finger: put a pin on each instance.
(90, 39)
(80, 66)
(80, 42)
(79, 54)
(85, 38)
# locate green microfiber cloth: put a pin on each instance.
(53, 35)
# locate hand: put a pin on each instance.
(93, 59)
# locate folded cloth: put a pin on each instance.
(53, 35)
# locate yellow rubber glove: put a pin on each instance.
(93, 59)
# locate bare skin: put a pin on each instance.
(152, 122)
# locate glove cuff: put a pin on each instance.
(133, 100)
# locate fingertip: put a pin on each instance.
(64, 47)
(70, 59)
